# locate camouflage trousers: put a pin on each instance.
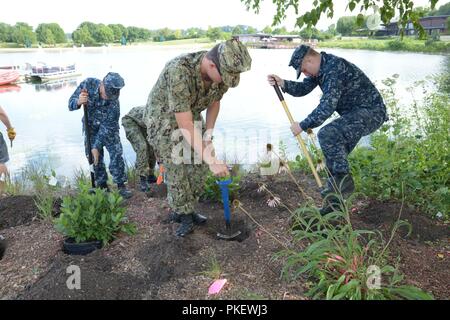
(338, 138)
(145, 157)
(185, 184)
(116, 163)
(4, 157)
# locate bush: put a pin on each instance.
(96, 216)
(409, 150)
(342, 262)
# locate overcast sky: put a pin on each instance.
(151, 14)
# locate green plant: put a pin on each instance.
(45, 203)
(93, 216)
(409, 150)
(214, 270)
(342, 262)
(212, 189)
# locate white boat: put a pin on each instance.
(43, 72)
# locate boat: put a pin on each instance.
(8, 76)
(42, 72)
(9, 88)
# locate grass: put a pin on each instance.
(214, 270)
(410, 45)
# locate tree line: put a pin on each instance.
(91, 34)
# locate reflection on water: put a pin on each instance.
(250, 116)
(55, 85)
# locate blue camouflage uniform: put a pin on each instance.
(349, 92)
(103, 117)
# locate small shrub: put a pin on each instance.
(342, 262)
(212, 189)
(96, 216)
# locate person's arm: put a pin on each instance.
(75, 97)
(332, 90)
(4, 118)
(300, 89)
(211, 115)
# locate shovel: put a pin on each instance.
(229, 236)
(89, 146)
(299, 138)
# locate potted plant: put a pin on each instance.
(91, 220)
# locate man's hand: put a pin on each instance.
(11, 133)
(83, 97)
(219, 169)
(296, 129)
(274, 79)
(96, 155)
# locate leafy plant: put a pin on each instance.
(93, 216)
(344, 263)
(409, 150)
(212, 189)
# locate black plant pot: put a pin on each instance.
(84, 248)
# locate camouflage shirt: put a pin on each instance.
(103, 115)
(137, 115)
(179, 88)
(345, 88)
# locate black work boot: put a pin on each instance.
(144, 185)
(332, 203)
(197, 218)
(2, 246)
(124, 192)
(104, 186)
(186, 225)
(339, 184)
(151, 179)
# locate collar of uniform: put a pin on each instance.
(323, 63)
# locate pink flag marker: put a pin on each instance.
(217, 286)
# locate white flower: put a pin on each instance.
(320, 165)
(262, 188)
(273, 202)
(284, 167)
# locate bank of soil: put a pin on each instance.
(154, 264)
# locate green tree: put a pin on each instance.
(251, 30)
(50, 33)
(448, 25)
(346, 25)
(214, 34)
(23, 34)
(442, 11)
(237, 30)
(118, 30)
(103, 34)
(6, 32)
(267, 29)
(82, 36)
(281, 30)
(388, 9)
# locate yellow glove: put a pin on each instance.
(11, 133)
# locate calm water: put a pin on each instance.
(250, 117)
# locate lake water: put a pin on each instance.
(250, 117)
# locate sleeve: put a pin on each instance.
(179, 91)
(300, 89)
(74, 97)
(332, 90)
(108, 127)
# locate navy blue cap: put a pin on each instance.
(113, 82)
(297, 58)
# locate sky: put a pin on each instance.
(151, 14)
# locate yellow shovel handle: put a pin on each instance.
(299, 138)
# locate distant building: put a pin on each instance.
(438, 23)
(263, 40)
